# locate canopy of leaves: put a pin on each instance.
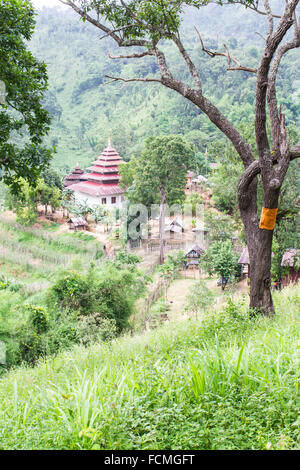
(221, 259)
(25, 202)
(23, 121)
(150, 19)
(162, 167)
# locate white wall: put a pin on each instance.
(93, 201)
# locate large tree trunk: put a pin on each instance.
(260, 253)
(259, 242)
(162, 227)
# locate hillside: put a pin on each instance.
(172, 326)
(86, 111)
(30, 259)
(226, 382)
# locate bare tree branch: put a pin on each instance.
(271, 91)
(273, 41)
(254, 169)
(250, 7)
(265, 39)
(227, 55)
(132, 56)
(116, 31)
(213, 113)
(191, 66)
(269, 16)
(127, 80)
(91, 20)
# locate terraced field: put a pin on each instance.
(35, 255)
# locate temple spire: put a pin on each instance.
(109, 143)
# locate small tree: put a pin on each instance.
(82, 209)
(170, 268)
(24, 203)
(68, 201)
(199, 298)
(160, 175)
(99, 214)
(48, 195)
(222, 260)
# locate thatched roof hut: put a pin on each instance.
(78, 223)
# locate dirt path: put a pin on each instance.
(179, 289)
(177, 294)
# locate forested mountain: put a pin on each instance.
(86, 111)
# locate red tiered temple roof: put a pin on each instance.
(103, 177)
(74, 177)
(96, 189)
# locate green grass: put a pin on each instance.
(30, 254)
(228, 382)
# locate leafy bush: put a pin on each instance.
(73, 292)
(40, 339)
(4, 283)
(171, 267)
(111, 291)
(95, 328)
(123, 258)
(38, 318)
(11, 285)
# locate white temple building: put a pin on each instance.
(100, 183)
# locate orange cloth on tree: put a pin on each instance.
(268, 218)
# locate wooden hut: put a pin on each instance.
(291, 261)
(176, 226)
(245, 262)
(193, 256)
(78, 223)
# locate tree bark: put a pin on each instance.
(162, 227)
(260, 252)
(259, 242)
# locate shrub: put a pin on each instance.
(111, 291)
(73, 292)
(59, 335)
(95, 328)
(38, 317)
(221, 259)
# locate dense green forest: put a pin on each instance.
(86, 111)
